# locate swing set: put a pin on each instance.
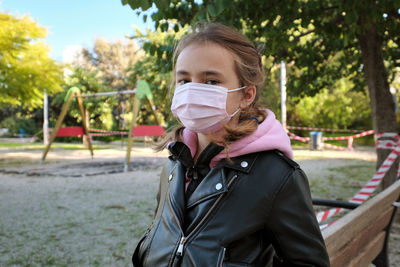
(141, 91)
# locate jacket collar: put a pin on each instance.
(215, 183)
(242, 163)
(212, 185)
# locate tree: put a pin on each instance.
(25, 67)
(112, 60)
(99, 108)
(155, 68)
(106, 67)
(361, 37)
(337, 108)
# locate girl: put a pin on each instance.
(230, 194)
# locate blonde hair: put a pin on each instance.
(248, 68)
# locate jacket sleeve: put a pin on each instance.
(294, 228)
(136, 261)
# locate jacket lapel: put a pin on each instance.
(177, 190)
(212, 185)
(215, 182)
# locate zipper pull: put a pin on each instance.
(179, 252)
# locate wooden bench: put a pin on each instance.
(361, 236)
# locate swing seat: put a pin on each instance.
(70, 131)
(148, 130)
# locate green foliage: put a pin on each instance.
(270, 92)
(104, 68)
(25, 67)
(99, 108)
(155, 68)
(319, 39)
(14, 124)
(112, 61)
(338, 108)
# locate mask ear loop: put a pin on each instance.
(234, 113)
(237, 89)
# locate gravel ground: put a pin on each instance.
(75, 212)
(90, 221)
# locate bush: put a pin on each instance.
(15, 124)
(337, 108)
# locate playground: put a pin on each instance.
(78, 117)
(69, 210)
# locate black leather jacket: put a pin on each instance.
(253, 211)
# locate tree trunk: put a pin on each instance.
(381, 100)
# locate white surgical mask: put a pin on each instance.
(202, 107)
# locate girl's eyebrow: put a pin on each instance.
(212, 72)
(207, 72)
(182, 72)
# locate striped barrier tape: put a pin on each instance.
(349, 139)
(350, 136)
(337, 147)
(389, 144)
(365, 192)
(298, 138)
(105, 132)
(307, 139)
(322, 129)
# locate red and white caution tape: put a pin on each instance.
(336, 147)
(374, 182)
(349, 137)
(364, 133)
(321, 129)
(99, 132)
(298, 138)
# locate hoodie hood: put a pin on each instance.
(269, 135)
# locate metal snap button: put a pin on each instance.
(218, 186)
(170, 177)
(244, 164)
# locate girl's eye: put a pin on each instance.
(212, 82)
(181, 82)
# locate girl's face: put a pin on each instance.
(210, 64)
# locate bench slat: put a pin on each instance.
(370, 252)
(349, 226)
(353, 248)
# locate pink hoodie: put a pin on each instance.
(269, 135)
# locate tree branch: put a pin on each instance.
(297, 38)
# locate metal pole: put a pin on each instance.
(45, 118)
(132, 124)
(111, 93)
(283, 94)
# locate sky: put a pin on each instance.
(74, 23)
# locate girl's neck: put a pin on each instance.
(202, 143)
(204, 139)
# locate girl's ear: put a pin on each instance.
(249, 94)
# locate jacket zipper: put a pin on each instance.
(183, 240)
(222, 257)
(179, 251)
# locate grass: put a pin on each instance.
(341, 183)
